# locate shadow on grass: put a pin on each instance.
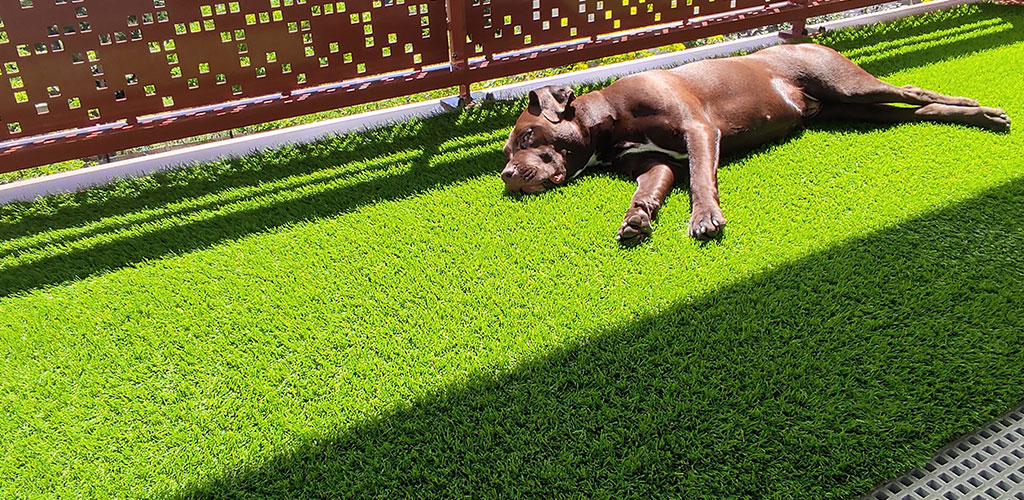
(262, 175)
(819, 379)
(74, 237)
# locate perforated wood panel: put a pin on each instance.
(75, 63)
(496, 26)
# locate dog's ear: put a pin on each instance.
(554, 102)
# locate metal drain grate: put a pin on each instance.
(986, 465)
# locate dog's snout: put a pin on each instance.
(508, 173)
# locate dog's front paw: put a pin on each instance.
(706, 223)
(635, 229)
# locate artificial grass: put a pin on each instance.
(370, 316)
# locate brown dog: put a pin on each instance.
(647, 125)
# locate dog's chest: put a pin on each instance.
(622, 150)
(649, 147)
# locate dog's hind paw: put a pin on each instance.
(996, 119)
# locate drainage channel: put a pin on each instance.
(985, 465)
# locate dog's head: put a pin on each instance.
(547, 146)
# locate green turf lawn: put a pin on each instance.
(371, 316)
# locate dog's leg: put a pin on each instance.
(703, 145)
(875, 91)
(653, 184)
(833, 77)
(993, 119)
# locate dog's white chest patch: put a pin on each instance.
(594, 161)
(650, 147)
(647, 147)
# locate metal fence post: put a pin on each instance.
(799, 28)
(458, 48)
